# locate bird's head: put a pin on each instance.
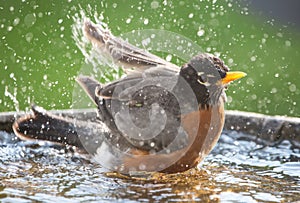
(208, 76)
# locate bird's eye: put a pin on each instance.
(202, 79)
(221, 72)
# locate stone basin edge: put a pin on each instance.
(267, 129)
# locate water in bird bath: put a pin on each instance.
(236, 170)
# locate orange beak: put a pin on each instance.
(233, 75)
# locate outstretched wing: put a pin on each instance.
(138, 106)
(132, 59)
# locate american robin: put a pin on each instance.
(160, 117)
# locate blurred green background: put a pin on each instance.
(39, 58)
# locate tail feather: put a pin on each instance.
(42, 125)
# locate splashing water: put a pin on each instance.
(236, 170)
(13, 97)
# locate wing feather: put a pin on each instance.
(131, 58)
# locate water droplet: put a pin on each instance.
(12, 76)
(292, 87)
(169, 57)
(154, 4)
(191, 15)
(273, 90)
(253, 58)
(288, 43)
(142, 167)
(146, 42)
(16, 21)
(128, 20)
(146, 21)
(29, 37)
(9, 28)
(229, 99)
(30, 19)
(279, 34)
(200, 32)
(230, 61)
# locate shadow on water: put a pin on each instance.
(237, 170)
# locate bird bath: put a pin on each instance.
(255, 160)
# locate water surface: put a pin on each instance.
(237, 170)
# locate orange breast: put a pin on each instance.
(203, 128)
